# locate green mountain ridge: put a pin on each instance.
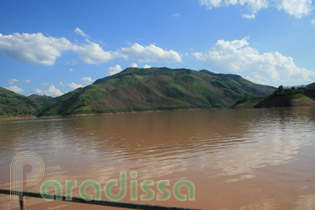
(136, 89)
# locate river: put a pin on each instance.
(236, 159)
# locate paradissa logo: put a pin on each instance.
(147, 191)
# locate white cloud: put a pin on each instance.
(33, 48)
(297, 8)
(247, 16)
(27, 81)
(39, 91)
(71, 69)
(15, 89)
(13, 81)
(52, 91)
(313, 21)
(270, 68)
(134, 65)
(209, 4)
(114, 69)
(80, 32)
(150, 53)
(253, 5)
(74, 86)
(176, 14)
(92, 53)
(146, 66)
(87, 80)
(39, 49)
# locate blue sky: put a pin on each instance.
(52, 47)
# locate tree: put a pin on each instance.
(279, 91)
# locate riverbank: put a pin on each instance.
(99, 114)
(17, 118)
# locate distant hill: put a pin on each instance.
(41, 100)
(289, 98)
(310, 86)
(282, 97)
(136, 89)
(16, 105)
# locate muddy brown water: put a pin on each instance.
(237, 159)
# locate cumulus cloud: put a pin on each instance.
(15, 89)
(74, 85)
(134, 65)
(270, 68)
(146, 66)
(114, 69)
(313, 21)
(13, 81)
(92, 53)
(150, 53)
(37, 48)
(80, 32)
(33, 48)
(52, 91)
(87, 80)
(297, 8)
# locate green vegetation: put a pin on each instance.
(248, 102)
(280, 91)
(281, 97)
(16, 105)
(153, 89)
(137, 89)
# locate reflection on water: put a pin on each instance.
(237, 159)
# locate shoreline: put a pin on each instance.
(29, 118)
(135, 112)
(131, 112)
(99, 114)
(18, 118)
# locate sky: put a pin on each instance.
(53, 47)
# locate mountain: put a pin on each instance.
(42, 101)
(16, 105)
(311, 86)
(282, 97)
(136, 89)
